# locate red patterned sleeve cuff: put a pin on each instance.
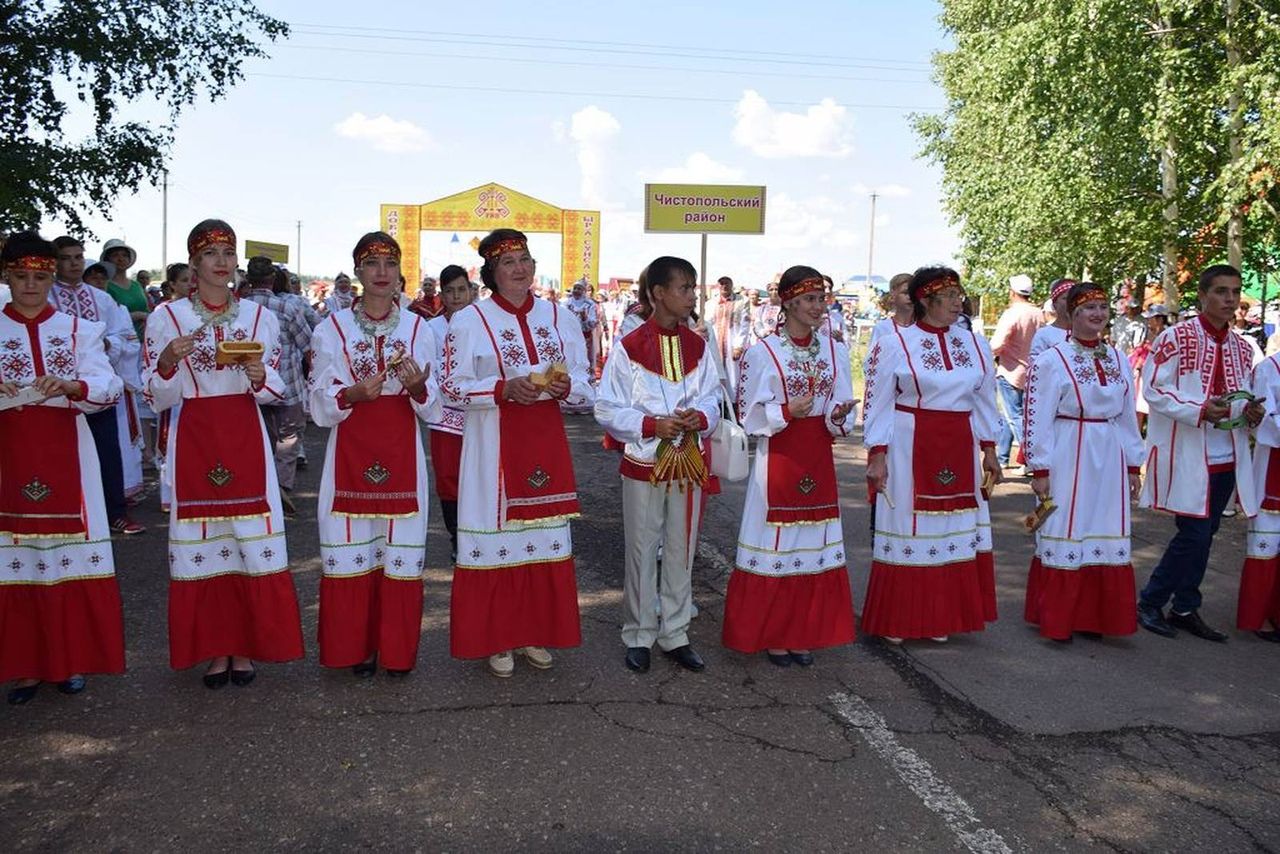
(877, 449)
(1040, 473)
(343, 403)
(702, 421)
(987, 446)
(649, 427)
(166, 375)
(786, 413)
(1135, 469)
(497, 392)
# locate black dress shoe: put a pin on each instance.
(214, 681)
(1273, 635)
(686, 658)
(804, 659)
(22, 696)
(398, 674)
(1090, 635)
(783, 660)
(1152, 619)
(365, 669)
(638, 659)
(243, 677)
(74, 685)
(1196, 626)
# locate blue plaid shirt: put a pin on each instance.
(295, 338)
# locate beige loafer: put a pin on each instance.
(536, 656)
(502, 665)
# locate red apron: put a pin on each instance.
(220, 470)
(537, 469)
(41, 494)
(375, 465)
(942, 454)
(802, 474)
(1271, 492)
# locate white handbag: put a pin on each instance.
(729, 457)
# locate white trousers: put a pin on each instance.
(654, 516)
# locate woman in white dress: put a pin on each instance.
(789, 591)
(930, 429)
(1084, 452)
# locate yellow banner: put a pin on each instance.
(402, 222)
(580, 248)
(487, 207)
(704, 208)
(278, 252)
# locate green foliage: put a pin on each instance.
(105, 54)
(1058, 113)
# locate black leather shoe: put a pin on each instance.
(1196, 626)
(1152, 619)
(74, 685)
(214, 681)
(638, 659)
(243, 677)
(783, 660)
(398, 674)
(804, 659)
(1273, 635)
(365, 669)
(686, 658)
(22, 696)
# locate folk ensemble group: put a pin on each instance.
(490, 379)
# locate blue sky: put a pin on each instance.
(810, 99)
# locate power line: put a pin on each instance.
(541, 40)
(644, 96)
(563, 62)
(678, 54)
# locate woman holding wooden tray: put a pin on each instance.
(930, 430)
(231, 597)
(1084, 452)
(508, 362)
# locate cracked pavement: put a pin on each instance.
(1134, 744)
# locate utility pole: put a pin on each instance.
(164, 221)
(1235, 221)
(871, 240)
(299, 259)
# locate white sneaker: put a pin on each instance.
(939, 639)
(894, 641)
(502, 665)
(536, 656)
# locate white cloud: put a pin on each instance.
(384, 133)
(592, 131)
(823, 130)
(698, 168)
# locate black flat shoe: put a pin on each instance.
(638, 659)
(783, 660)
(365, 669)
(22, 696)
(214, 681)
(804, 659)
(243, 677)
(398, 674)
(1090, 635)
(1192, 624)
(686, 658)
(74, 685)
(1273, 635)
(1152, 619)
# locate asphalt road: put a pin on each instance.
(994, 742)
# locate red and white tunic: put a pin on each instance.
(373, 493)
(1259, 599)
(60, 610)
(445, 420)
(930, 407)
(790, 584)
(514, 583)
(230, 590)
(1082, 433)
(1191, 362)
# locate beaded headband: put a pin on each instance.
(36, 263)
(800, 288)
(213, 237)
(378, 249)
(1088, 296)
(1060, 289)
(935, 286)
(511, 244)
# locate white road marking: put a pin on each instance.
(919, 776)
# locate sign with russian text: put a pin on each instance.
(277, 252)
(704, 208)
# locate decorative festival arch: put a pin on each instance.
(490, 206)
